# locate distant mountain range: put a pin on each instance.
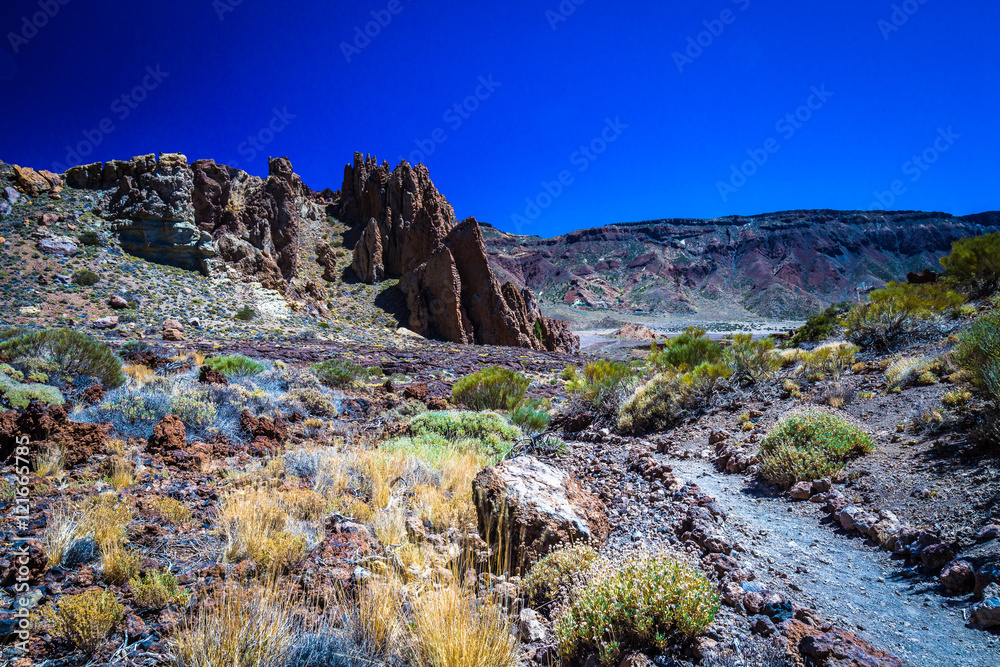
(778, 265)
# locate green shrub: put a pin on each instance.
(810, 445)
(235, 365)
(752, 360)
(978, 354)
(658, 404)
(829, 359)
(906, 371)
(19, 395)
(314, 400)
(973, 266)
(92, 238)
(156, 590)
(73, 352)
(86, 278)
(194, 408)
(644, 603)
(900, 314)
(602, 386)
(687, 351)
(530, 417)
(489, 428)
(493, 388)
(245, 314)
(820, 326)
(554, 577)
(339, 373)
(85, 619)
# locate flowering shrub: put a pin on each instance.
(554, 577)
(809, 445)
(641, 603)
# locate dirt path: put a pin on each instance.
(849, 582)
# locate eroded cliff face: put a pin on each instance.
(170, 212)
(409, 231)
(785, 264)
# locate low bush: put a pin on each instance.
(752, 360)
(901, 313)
(530, 417)
(973, 265)
(19, 395)
(195, 409)
(132, 412)
(92, 238)
(821, 325)
(489, 428)
(119, 565)
(831, 359)
(339, 373)
(245, 314)
(978, 355)
(493, 388)
(85, 619)
(661, 402)
(687, 351)
(86, 278)
(907, 371)
(554, 577)
(810, 445)
(642, 603)
(314, 401)
(156, 590)
(74, 353)
(235, 365)
(602, 386)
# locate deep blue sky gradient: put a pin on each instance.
(892, 91)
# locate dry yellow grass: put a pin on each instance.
(61, 526)
(119, 565)
(122, 473)
(169, 509)
(138, 373)
(258, 524)
(448, 631)
(238, 625)
(50, 462)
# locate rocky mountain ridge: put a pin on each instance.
(786, 264)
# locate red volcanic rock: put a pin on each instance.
(411, 215)
(93, 394)
(367, 260)
(433, 296)
(168, 435)
(208, 375)
(262, 428)
(50, 426)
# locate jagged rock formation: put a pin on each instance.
(450, 289)
(183, 215)
(785, 264)
(411, 215)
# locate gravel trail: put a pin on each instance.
(849, 582)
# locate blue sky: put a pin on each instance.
(570, 114)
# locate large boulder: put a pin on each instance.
(527, 508)
(34, 183)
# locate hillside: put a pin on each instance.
(777, 265)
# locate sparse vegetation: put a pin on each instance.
(820, 326)
(489, 428)
(602, 386)
(978, 354)
(339, 373)
(686, 352)
(86, 278)
(156, 590)
(751, 360)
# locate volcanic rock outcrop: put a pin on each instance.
(451, 291)
(170, 212)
